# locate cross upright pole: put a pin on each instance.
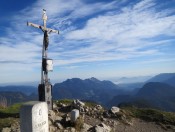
(45, 88)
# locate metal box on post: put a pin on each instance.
(47, 64)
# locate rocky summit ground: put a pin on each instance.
(94, 118)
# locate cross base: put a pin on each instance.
(45, 94)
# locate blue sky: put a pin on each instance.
(103, 39)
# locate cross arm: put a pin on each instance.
(42, 28)
(34, 25)
(52, 30)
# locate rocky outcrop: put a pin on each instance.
(15, 127)
(62, 122)
(6, 129)
(115, 110)
(59, 118)
(100, 128)
(94, 118)
(77, 104)
(85, 127)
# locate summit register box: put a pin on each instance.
(47, 65)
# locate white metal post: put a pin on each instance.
(45, 93)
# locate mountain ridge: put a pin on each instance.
(152, 95)
(87, 89)
(22, 88)
(105, 91)
(161, 77)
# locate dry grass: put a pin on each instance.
(79, 124)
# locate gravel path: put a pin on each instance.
(140, 126)
(137, 125)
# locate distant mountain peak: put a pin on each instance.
(87, 89)
(162, 77)
(73, 79)
(94, 79)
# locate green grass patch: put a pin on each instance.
(152, 115)
(11, 111)
(69, 102)
(79, 124)
(90, 104)
(64, 101)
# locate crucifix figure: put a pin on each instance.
(45, 88)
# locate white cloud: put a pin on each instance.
(157, 60)
(112, 32)
(120, 27)
(129, 29)
(144, 4)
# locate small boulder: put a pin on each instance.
(77, 104)
(74, 115)
(115, 110)
(51, 113)
(52, 128)
(99, 107)
(86, 127)
(59, 126)
(54, 106)
(6, 129)
(58, 118)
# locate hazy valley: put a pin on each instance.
(156, 92)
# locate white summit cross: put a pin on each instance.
(45, 88)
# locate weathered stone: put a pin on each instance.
(86, 127)
(51, 113)
(115, 109)
(99, 107)
(86, 110)
(51, 119)
(54, 106)
(94, 109)
(56, 110)
(50, 122)
(59, 126)
(83, 117)
(6, 129)
(52, 128)
(103, 128)
(72, 129)
(103, 119)
(74, 115)
(80, 103)
(106, 114)
(15, 127)
(58, 118)
(129, 123)
(82, 109)
(77, 104)
(109, 121)
(34, 117)
(100, 128)
(67, 119)
(64, 105)
(114, 124)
